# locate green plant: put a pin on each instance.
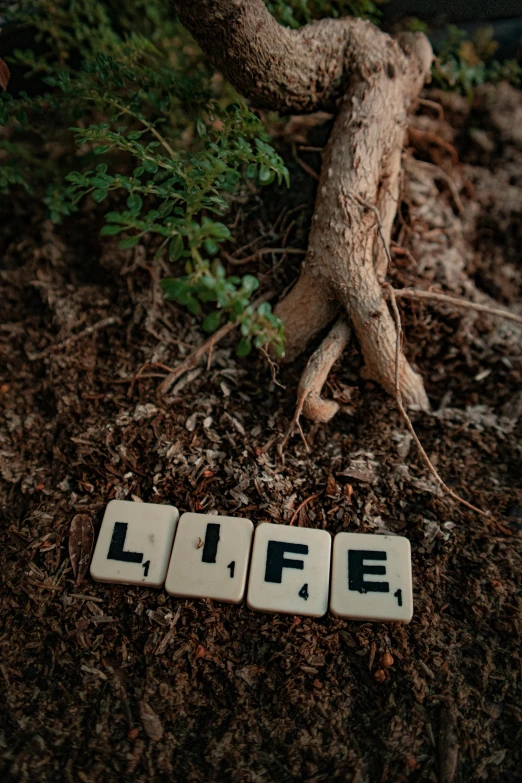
(462, 64)
(173, 149)
(294, 13)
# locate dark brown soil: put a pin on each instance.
(103, 683)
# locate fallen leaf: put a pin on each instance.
(5, 75)
(151, 722)
(81, 539)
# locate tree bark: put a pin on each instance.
(284, 70)
(372, 80)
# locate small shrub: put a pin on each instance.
(170, 147)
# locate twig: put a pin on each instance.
(197, 355)
(309, 170)
(433, 105)
(302, 505)
(450, 182)
(140, 372)
(398, 395)
(75, 337)
(413, 293)
(407, 419)
(262, 252)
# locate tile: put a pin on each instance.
(371, 578)
(134, 543)
(290, 570)
(210, 557)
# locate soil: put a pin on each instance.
(107, 683)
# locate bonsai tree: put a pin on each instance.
(370, 81)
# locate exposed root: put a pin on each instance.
(309, 400)
(305, 312)
(407, 419)
(454, 301)
(345, 264)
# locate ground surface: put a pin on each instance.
(121, 683)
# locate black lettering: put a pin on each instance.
(303, 592)
(146, 567)
(232, 566)
(211, 543)
(276, 561)
(357, 569)
(116, 551)
(398, 595)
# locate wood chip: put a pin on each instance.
(81, 540)
(150, 721)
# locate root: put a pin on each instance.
(309, 400)
(359, 186)
(305, 312)
(407, 419)
(455, 301)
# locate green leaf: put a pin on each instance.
(244, 347)
(193, 305)
(99, 194)
(109, 229)
(176, 248)
(220, 231)
(264, 309)
(173, 287)
(250, 283)
(211, 247)
(251, 171)
(201, 127)
(212, 321)
(150, 166)
(101, 150)
(266, 175)
(129, 242)
(134, 202)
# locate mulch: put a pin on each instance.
(110, 683)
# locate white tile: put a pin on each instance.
(134, 543)
(210, 557)
(371, 578)
(290, 570)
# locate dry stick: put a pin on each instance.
(433, 105)
(407, 419)
(450, 182)
(398, 395)
(195, 357)
(89, 330)
(302, 505)
(413, 293)
(309, 170)
(261, 252)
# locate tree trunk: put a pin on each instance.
(372, 80)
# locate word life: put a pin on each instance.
(279, 568)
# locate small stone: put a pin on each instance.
(387, 660)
